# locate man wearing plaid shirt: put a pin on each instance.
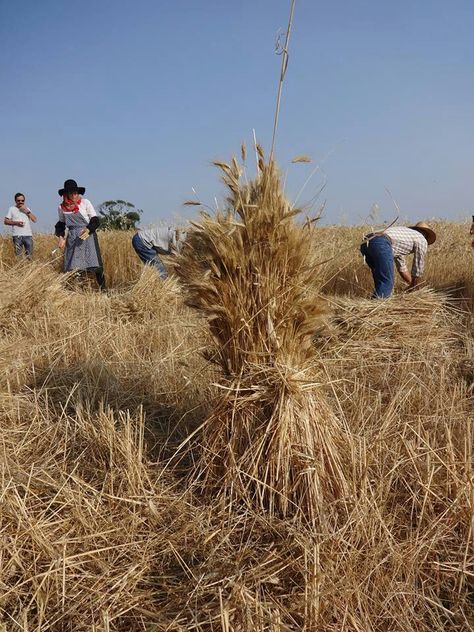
(381, 249)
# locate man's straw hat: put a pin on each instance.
(424, 229)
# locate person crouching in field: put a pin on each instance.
(81, 247)
(381, 249)
(150, 243)
(19, 218)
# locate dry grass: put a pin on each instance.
(101, 530)
(121, 264)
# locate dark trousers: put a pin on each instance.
(378, 255)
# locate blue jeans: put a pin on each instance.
(378, 255)
(21, 242)
(148, 255)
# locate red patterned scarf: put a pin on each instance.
(69, 206)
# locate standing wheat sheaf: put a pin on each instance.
(272, 441)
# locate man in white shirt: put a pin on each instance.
(19, 218)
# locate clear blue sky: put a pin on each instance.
(135, 99)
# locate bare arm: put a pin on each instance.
(412, 281)
(12, 222)
(28, 213)
(403, 270)
(406, 276)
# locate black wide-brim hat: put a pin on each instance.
(70, 186)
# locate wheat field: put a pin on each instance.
(111, 402)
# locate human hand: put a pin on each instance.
(20, 223)
(61, 243)
(84, 234)
(24, 209)
(416, 283)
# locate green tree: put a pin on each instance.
(118, 215)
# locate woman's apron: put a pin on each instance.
(80, 254)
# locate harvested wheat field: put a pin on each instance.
(251, 445)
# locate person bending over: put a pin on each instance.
(382, 249)
(151, 243)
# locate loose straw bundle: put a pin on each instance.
(272, 440)
(410, 322)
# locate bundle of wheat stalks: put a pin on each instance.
(415, 319)
(272, 440)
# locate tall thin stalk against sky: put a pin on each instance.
(284, 65)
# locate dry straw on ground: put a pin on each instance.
(99, 529)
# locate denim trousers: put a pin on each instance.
(378, 255)
(148, 255)
(25, 242)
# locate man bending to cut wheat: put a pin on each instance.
(382, 249)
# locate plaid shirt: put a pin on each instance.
(404, 242)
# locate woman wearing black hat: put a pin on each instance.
(81, 247)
